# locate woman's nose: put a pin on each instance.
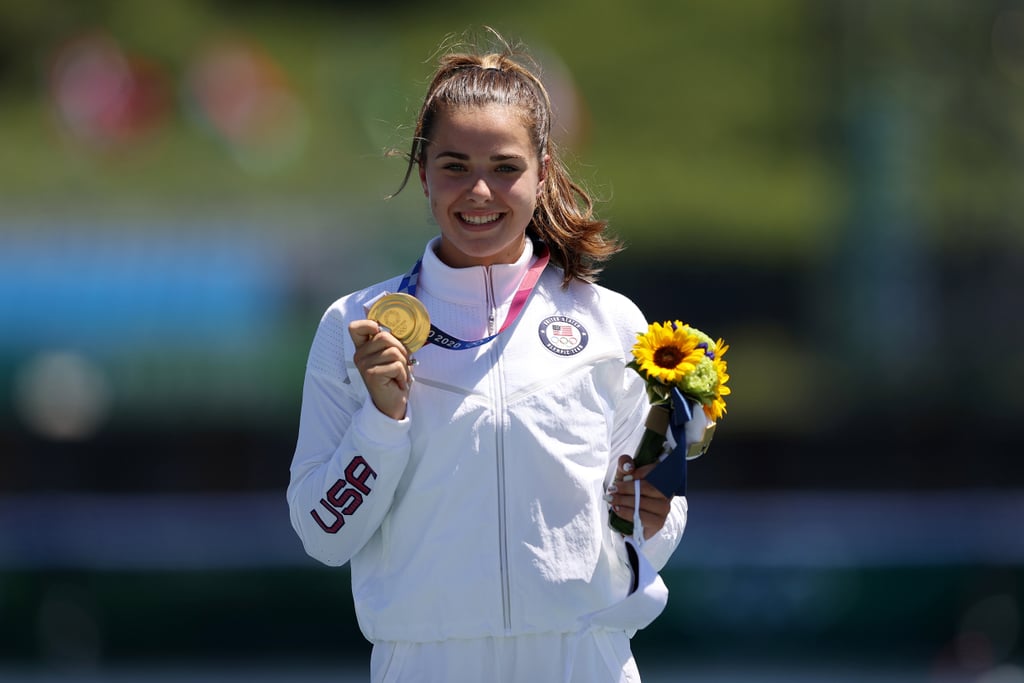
(480, 189)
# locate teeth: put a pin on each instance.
(480, 220)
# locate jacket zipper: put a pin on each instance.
(499, 416)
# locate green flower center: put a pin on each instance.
(668, 357)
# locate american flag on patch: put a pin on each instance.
(563, 330)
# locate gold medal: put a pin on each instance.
(405, 317)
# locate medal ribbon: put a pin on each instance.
(441, 338)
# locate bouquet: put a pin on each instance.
(686, 377)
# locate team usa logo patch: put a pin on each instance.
(563, 335)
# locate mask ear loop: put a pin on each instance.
(638, 526)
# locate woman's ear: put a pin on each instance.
(423, 180)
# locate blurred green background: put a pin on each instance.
(833, 187)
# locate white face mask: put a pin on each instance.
(648, 595)
(646, 599)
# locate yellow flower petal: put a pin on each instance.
(717, 408)
(667, 352)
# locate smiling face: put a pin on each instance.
(482, 176)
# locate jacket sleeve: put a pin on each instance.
(349, 456)
(659, 548)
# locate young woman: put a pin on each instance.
(469, 484)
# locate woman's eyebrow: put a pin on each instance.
(465, 157)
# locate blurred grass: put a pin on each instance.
(720, 123)
(696, 123)
(739, 615)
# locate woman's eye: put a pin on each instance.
(454, 166)
(506, 168)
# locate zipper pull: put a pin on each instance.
(489, 292)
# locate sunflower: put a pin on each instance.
(717, 408)
(667, 352)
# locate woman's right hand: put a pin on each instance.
(383, 363)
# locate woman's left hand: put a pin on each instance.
(654, 506)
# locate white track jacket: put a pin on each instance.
(481, 513)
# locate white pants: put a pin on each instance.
(595, 656)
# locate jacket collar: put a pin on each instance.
(468, 286)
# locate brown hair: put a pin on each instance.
(564, 218)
